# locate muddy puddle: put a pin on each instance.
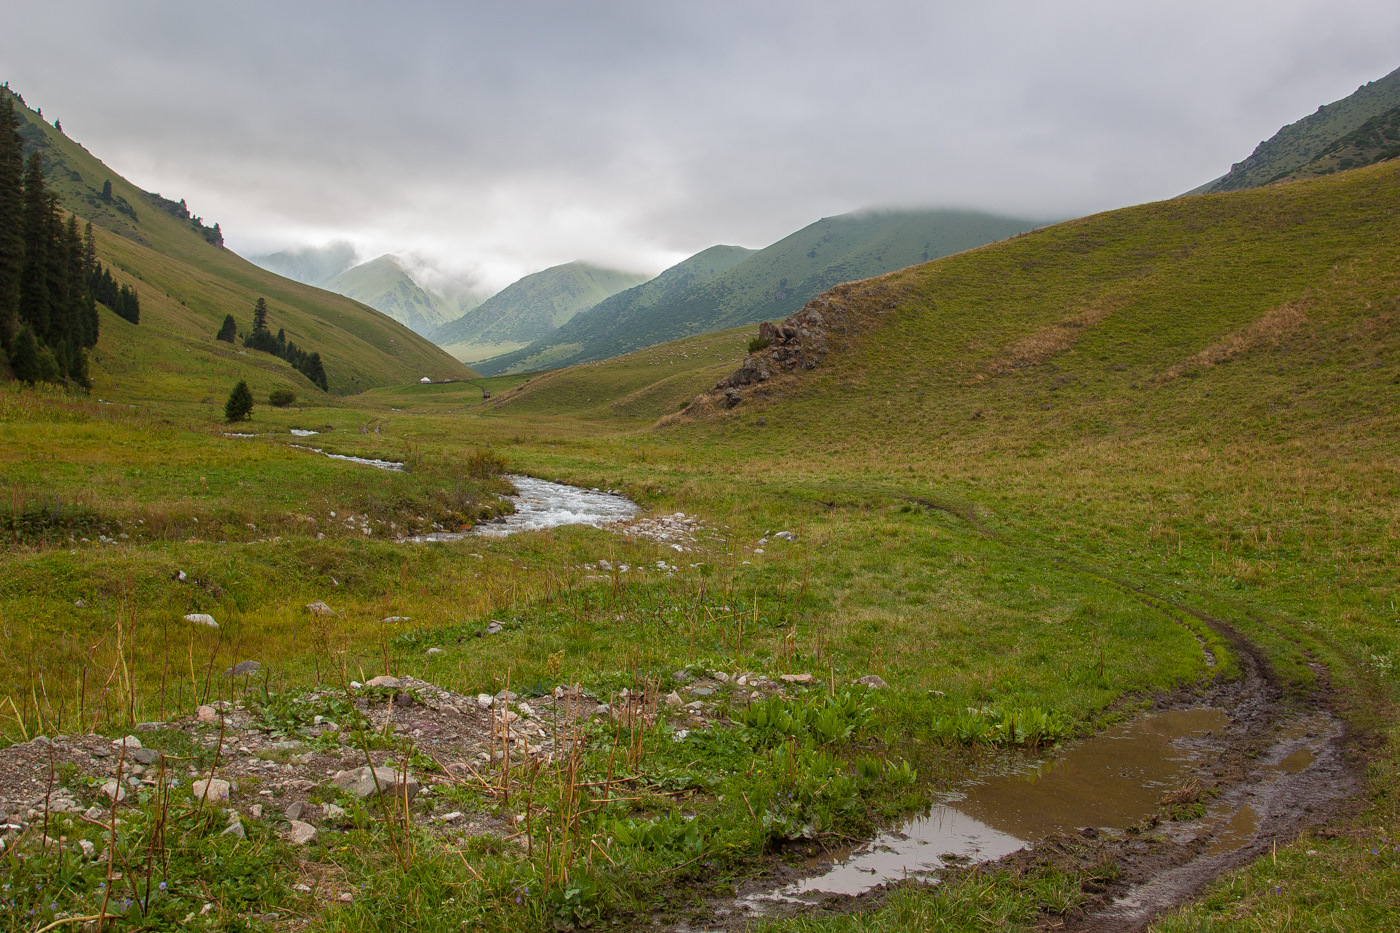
(1109, 782)
(541, 504)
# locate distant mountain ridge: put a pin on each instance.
(530, 309)
(310, 265)
(1302, 141)
(384, 285)
(768, 284)
(622, 311)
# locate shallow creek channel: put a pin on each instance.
(541, 504)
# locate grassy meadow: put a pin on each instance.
(1196, 400)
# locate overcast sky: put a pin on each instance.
(500, 138)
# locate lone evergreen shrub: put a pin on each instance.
(239, 406)
(229, 330)
(281, 398)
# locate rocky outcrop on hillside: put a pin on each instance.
(826, 324)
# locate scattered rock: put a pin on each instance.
(795, 678)
(674, 699)
(334, 814)
(206, 714)
(235, 827)
(432, 651)
(303, 834)
(681, 676)
(484, 700)
(297, 810)
(392, 620)
(452, 817)
(202, 618)
(701, 691)
(79, 604)
(242, 669)
(130, 742)
(211, 789)
(256, 811)
(495, 628)
(364, 782)
(786, 536)
(113, 791)
(319, 608)
(146, 756)
(384, 680)
(179, 576)
(93, 813)
(89, 850)
(873, 681)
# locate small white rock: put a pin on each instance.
(202, 618)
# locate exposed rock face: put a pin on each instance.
(802, 341)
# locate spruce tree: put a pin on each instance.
(229, 330)
(260, 316)
(34, 280)
(11, 219)
(239, 406)
(24, 356)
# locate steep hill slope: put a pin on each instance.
(530, 309)
(1297, 144)
(156, 246)
(384, 285)
(1376, 140)
(620, 313)
(1272, 306)
(779, 279)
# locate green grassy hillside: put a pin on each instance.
(1299, 143)
(777, 280)
(530, 308)
(384, 285)
(640, 386)
(166, 255)
(621, 313)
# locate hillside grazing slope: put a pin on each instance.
(530, 309)
(167, 255)
(779, 279)
(1299, 143)
(640, 386)
(1269, 310)
(384, 285)
(623, 312)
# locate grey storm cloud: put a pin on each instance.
(495, 139)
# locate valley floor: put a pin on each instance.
(969, 587)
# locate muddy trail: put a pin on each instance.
(1227, 772)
